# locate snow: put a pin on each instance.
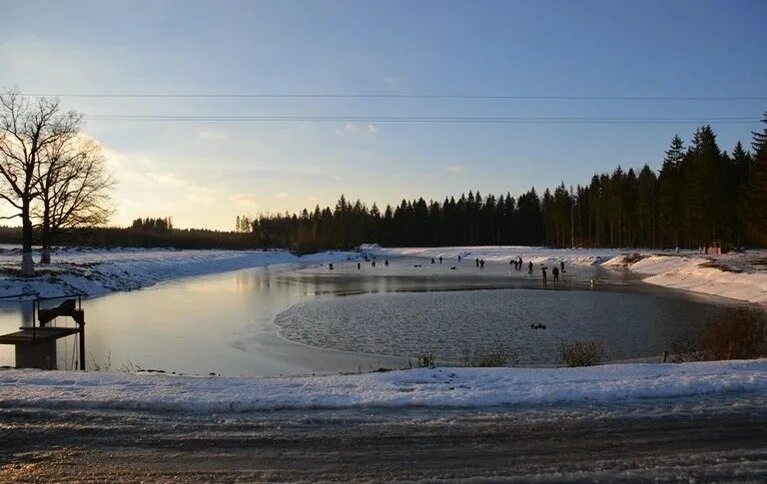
(92, 271)
(709, 276)
(536, 255)
(427, 387)
(737, 276)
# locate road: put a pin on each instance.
(663, 440)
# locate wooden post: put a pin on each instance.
(82, 344)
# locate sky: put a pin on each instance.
(204, 173)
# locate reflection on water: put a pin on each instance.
(224, 323)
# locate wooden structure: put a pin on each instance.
(36, 346)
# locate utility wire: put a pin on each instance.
(392, 96)
(426, 119)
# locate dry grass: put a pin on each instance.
(497, 356)
(738, 334)
(581, 353)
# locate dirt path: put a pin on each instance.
(550, 444)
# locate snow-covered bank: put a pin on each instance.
(733, 276)
(737, 276)
(437, 387)
(90, 271)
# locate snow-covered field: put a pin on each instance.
(737, 276)
(427, 387)
(91, 271)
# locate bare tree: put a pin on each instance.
(73, 186)
(27, 129)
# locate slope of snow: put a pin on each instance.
(91, 271)
(437, 387)
(718, 275)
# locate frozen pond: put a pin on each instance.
(452, 324)
(302, 320)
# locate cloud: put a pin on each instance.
(212, 135)
(455, 169)
(244, 198)
(357, 128)
(169, 179)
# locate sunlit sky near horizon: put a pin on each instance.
(205, 173)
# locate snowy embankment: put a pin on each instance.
(734, 276)
(91, 271)
(428, 387)
(737, 276)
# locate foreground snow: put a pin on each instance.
(91, 271)
(737, 276)
(437, 387)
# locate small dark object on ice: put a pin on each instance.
(416, 265)
(452, 268)
(330, 266)
(538, 326)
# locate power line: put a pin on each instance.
(391, 96)
(426, 119)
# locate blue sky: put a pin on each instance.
(205, 173)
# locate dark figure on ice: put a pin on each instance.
(530, 268)
(432, 260)
(330, 266)
(555, 272)
(373, 264)
(543, 272)
(440, 259)
(476, 262)
(562, 265)
(386, 263)
(459, 258)
(520, 263)
(482, 264)
(359, 266)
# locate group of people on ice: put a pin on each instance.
(480, 264)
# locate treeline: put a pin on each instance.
(701, 196)
(143, 237)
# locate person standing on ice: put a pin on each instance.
(555, 272)
(359, 266)
(386, 263)
(432, 260)
(520, 264)
(543, 272)
(482, 264)
(562, 265)
(440, 259)
(373, 264)
(530, 268)
(476, 262)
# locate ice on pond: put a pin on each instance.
(450, 323)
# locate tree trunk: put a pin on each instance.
(45, 237)
(27, 264)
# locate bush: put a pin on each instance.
(738, 334)
(497, 356)
(581, 353)
(427, 360)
